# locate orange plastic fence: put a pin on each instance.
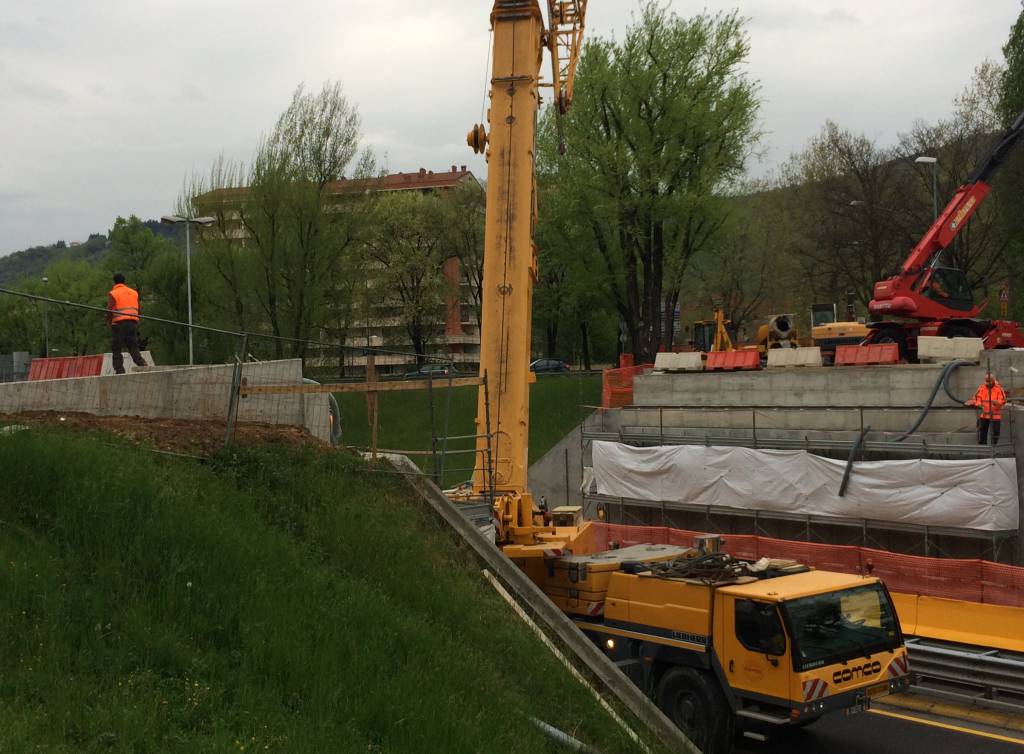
(731, 360)
(968, 580)
(617, 388)
(65, 366)
(876, 353)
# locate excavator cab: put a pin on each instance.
(949, 286)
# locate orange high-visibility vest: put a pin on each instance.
(990, 400)
(126, 303)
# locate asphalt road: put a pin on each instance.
(877, 733)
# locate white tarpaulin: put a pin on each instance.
(971, 494)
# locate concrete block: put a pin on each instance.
(679, 362)
(690, 362)
(937, 349)
(108, 362)
(794, 357)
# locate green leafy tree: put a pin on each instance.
(404, 255)
(298, 228)
(1011, 84)
(132, 247)
(661, 126)
(1009, 183)
(846, 206)
(463, 212)
(74, 332)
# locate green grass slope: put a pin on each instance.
(556, 406)
(273, 600)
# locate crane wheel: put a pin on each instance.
(893, 335)
(694, 702)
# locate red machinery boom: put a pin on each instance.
(930, 295)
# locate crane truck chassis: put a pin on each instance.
(724, 645)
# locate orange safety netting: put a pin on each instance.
(969, 580)
(617, 388)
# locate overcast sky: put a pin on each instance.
(106, 106)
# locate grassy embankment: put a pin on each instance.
(273, 600)
(556, 406)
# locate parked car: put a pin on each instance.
(549, 365)
(435, 371)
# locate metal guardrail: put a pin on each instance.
(964, 672)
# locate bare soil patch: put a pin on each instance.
(193, 437)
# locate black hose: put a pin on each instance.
(942, 382)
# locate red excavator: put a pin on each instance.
(930, 299)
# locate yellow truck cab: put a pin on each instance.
(727, 646)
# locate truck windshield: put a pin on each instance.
(842, 625)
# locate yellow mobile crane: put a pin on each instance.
(722, 644)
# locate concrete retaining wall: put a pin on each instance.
(903, 385)
(199, 392)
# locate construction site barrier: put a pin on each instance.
(670, 361)
(871, 355)
(936, 349)
(617, 387)
(733, 360)
(968, 601)
(62, 367)
(809, 356)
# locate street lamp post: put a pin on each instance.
(934, 162)
(189, 222)
(46, 319)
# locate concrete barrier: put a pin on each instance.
(199, 392)
(934, 349)
(691, 361)
(108, 362)
(794, 357)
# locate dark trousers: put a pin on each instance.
(124, 334)
(983, 425)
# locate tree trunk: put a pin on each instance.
(585, 340)
(668, 331)
(551, 338)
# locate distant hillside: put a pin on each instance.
(31, 263)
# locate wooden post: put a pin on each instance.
(371, 402)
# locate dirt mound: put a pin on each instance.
(194, 437)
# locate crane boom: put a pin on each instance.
(510, 256)
(903, 294)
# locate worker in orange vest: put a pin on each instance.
(990, 399)
(123, 317)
